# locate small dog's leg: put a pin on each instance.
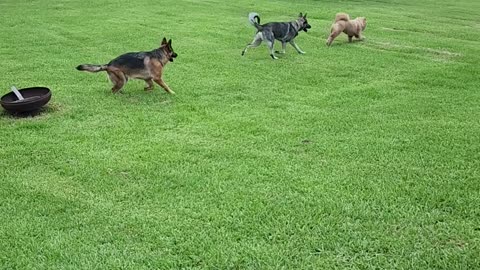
(164, 85)
(332, 36)
(296, 47)
(350, 38)
(270, 48)
(360, 37)
(149, 85)
(255, 43)
(284, 47)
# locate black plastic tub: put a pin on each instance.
(34, 99)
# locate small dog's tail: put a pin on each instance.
(254, 19)
(342, 17)
(92, 68)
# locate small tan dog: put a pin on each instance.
(353, 28)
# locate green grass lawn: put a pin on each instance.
(362, 156)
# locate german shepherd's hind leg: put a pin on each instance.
(149, 84)
(257, 40)
(118, 79)
(350, 38)
(164, 85)
(296, 47)
(284, 47)
(270, 48)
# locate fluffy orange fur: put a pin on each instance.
(353, 28)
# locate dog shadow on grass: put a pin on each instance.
(141, 97)
(347, 43)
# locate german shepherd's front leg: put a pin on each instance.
(296, 47)
(149, 84)
(164, 85)
(284, 47)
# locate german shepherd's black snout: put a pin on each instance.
(174, 55)
(171, 53)
(306, 26)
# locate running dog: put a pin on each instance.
(353, 28)
(147, 66)
(281, 31)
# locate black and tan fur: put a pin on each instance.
(281, 31)
(147, 66)
(353, 28)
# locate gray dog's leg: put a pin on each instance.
(296, 47)
(270, 39)
(284, 47)
(270, 47)
(257, 40)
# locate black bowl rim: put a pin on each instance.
(47, 95)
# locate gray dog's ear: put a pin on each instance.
(164, 41)
(305, 16)
(300, 15)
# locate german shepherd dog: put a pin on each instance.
(281, 31)
(147, 66)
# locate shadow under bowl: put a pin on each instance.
(34, 99)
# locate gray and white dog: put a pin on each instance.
(281, 31)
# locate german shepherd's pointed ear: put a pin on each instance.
(164, 41)
(169, 43)
(300, 15)
(305, 16)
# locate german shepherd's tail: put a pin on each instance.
(92, 68)
(342, 17)
(254, 19)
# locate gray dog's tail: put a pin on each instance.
(91, 68)
(254, 19)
